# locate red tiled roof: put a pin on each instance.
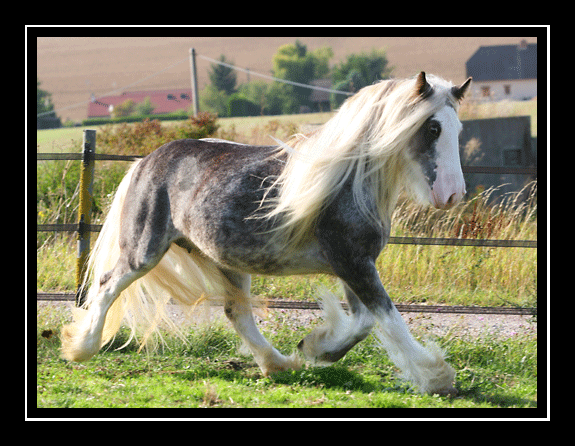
(165, 101)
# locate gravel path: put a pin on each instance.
(467, 325)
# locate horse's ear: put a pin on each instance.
(422, 87)
(459, 92)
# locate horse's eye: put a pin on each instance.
(434, 129)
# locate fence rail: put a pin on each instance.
(73, 227)
(104, 157)
(391, 241)
(285, 304)
(78, 157)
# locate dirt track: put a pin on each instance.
(427, 324)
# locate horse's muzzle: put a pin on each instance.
(447, 191)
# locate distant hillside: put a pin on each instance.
(71, 68)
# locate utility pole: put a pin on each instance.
(194, 80)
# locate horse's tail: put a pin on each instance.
(187, 278)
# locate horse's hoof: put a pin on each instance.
(449, 392)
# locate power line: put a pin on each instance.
(265, 76)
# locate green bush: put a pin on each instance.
(57, 190)
(142, 138)
(239, 105)
(180, 115)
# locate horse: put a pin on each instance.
(195, 219)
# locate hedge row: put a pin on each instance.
(176, 116)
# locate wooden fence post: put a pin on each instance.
(85, 210)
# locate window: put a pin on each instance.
(507, 89)
(512, 157)
(485, 92)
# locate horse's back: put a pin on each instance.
(205, 195)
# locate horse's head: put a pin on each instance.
(434, 149)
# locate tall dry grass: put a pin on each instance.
(457, 274)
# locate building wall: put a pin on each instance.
(497, 142)
(516, 90)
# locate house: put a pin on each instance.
(504, 72)
(165, 101)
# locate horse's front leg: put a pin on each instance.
(423, 366)
(340, 332)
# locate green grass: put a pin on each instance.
(211, 371)
(59, 140)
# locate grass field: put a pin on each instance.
(211, 371)
(255, 129)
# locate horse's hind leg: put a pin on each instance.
(98, 322)
(238, 310)
(341, 331)
(82, 339)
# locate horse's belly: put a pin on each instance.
(270, 262)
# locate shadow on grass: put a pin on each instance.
(493, 396)
(214, 354)
(332, 377)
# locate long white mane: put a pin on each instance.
(366, 140)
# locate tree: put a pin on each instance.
(255, 92)
(279, 99)
(44, 99)
(214, 101)
(358, 71)
(223, 78)
(43, 105)
(239, 105)
(126, 108)
(295, 63)
(145, 107)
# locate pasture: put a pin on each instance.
(212, 369)
(256, 129)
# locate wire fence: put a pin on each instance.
(105, 157)
(392, 240)
(285, 304)
(492, 243)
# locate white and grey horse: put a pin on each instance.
(195, 219)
